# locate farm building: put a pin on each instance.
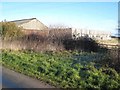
(94, 34)
(32, 26)
(31, 23)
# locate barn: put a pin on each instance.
(32, 26)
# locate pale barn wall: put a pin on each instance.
(34, 24)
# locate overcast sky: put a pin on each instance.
(89, 15)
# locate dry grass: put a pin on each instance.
(111, 41)
(38, 43)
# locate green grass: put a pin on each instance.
(63, 69)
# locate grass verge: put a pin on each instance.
(63, 69)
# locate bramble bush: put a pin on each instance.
(10, 30)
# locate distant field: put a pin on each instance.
(112, 41)
(64, 69)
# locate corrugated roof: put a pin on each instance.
(19, 22)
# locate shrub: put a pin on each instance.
(81, 44)
(10, 30)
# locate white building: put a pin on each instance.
(94, 34)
